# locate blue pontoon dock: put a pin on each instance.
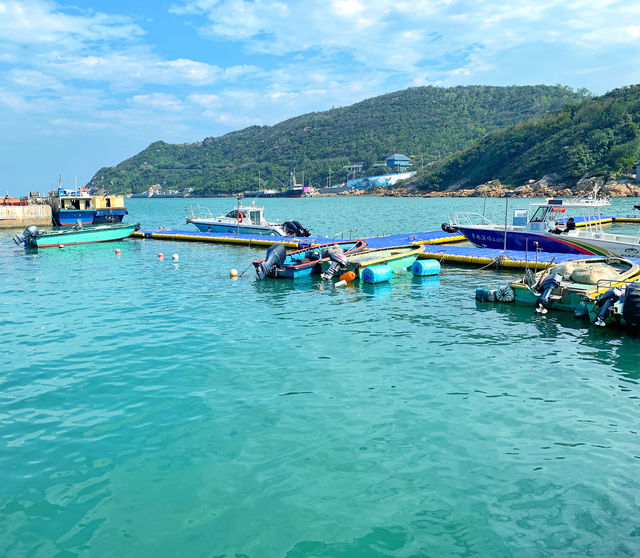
(440, 245)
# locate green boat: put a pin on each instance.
(566, 285)
(396, 257)
(34, 238)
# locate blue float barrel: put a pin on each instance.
(377, 274)
(425, 267)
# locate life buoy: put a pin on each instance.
(239, 216)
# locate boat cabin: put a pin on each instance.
(62, 199)
(251, 215)
(547, 215)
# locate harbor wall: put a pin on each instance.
(16, 216)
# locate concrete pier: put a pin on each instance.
(19, 216)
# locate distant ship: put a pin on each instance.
(155, 192)
(294, 190)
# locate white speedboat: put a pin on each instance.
(544, 229)
(243, 220)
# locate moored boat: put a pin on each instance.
(243, 219)
(302, 263)
(79, 207)
(395, 257)
(32, 237)
(564, 286)
(619, 306)
(549, 228)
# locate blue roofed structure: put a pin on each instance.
(398, 160)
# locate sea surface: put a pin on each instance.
(157, 408)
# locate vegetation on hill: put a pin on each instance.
(599, 136)
(426, 123)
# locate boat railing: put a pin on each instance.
(467, 218)
(608, 283)
(342, 233)
(199, 212)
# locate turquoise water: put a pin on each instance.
(158, 408)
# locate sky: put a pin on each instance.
(87, 84)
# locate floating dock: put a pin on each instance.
(428, 237)
(439, 245)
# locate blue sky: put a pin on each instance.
(89, 84)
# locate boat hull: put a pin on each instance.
(486, 237)
(209, 226)
(401, 257)
(570, 295)
(88, 235)
(601, 244)
(301, 264)
(69, 218)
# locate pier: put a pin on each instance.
(15, 216)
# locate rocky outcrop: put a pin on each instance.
(551, 185)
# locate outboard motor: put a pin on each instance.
(30, 231)
(545, 288)
(338, 262)
(294, 228)
(605, 301)
(275, 257)
(631, 305)
(449, 228)
(302, 231)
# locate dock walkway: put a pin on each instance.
(438, 245)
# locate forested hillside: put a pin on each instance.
(426, 123)
(597, 137)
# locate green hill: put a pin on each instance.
(597, 137)
(426, 123)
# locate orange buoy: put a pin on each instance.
(348, 276)
(117, 251)
(161, 256)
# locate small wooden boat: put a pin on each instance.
(396, 257)
(304, 262)
(34, 238)
(564, 286)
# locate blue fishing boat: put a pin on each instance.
(305, 262)
(78, 207)
(548, 229)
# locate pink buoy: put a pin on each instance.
(117, 251)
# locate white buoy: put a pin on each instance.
(60, 245)
(342, 283)
(233, 273)
(175, 257)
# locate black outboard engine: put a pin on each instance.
(605, 301)
(449, 228)
(275, 257)
(29, 232)
(338, 262)
(294, 228)
(545, 288)
(631, 305)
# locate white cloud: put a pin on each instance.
(161, 101)
(38, 21)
